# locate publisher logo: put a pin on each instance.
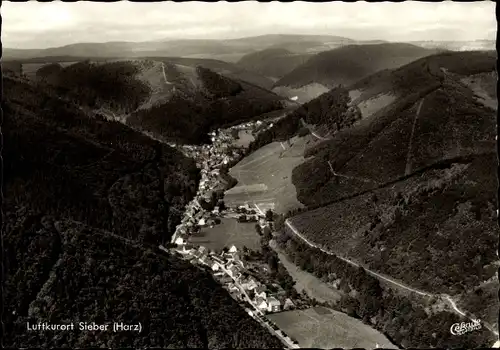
(463, 327)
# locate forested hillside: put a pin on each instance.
(273, 62)
(348, 64)
(421, 91)
(188, 115)
(406, 189)
(159, 97)
(405, 186)
(408, 320)
(113, 85)
(86, 203)
(332, 110)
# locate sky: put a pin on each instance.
(40, 25)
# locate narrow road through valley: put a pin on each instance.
(352, 263)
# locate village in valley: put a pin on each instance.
(242, 272)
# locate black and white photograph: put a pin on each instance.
(249, 175)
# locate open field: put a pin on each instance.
(245, 138)
(229, 232)
(372, 105)
(270, 166)
(324, 328)
(305, 281)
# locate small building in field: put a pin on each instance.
(273, 304)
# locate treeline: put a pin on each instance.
(179, 119)
(277, 269)
(408, 323)
(113, 84)
(330, 109)
(217, 85)
(12, 68)
(99, 278)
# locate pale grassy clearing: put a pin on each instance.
(372, 105)
(243, 189)
(304, 93)
(152, 75)
(190, 74)
(227, 233)
(245, 137)
(326, 328)
(270, 166)
(307, 282)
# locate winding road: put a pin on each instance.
(400, 285)
(352, 263)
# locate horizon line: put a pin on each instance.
(235, 39)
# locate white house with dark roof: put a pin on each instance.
(273, 304)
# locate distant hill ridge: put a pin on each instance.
(227, 49)
(273, 62)
(348, 64)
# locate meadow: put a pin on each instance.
(227, 233)
(325, 328)
(269, 167)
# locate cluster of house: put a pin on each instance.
(210, 158)
(230, 271)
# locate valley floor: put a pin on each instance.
(325, 328)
